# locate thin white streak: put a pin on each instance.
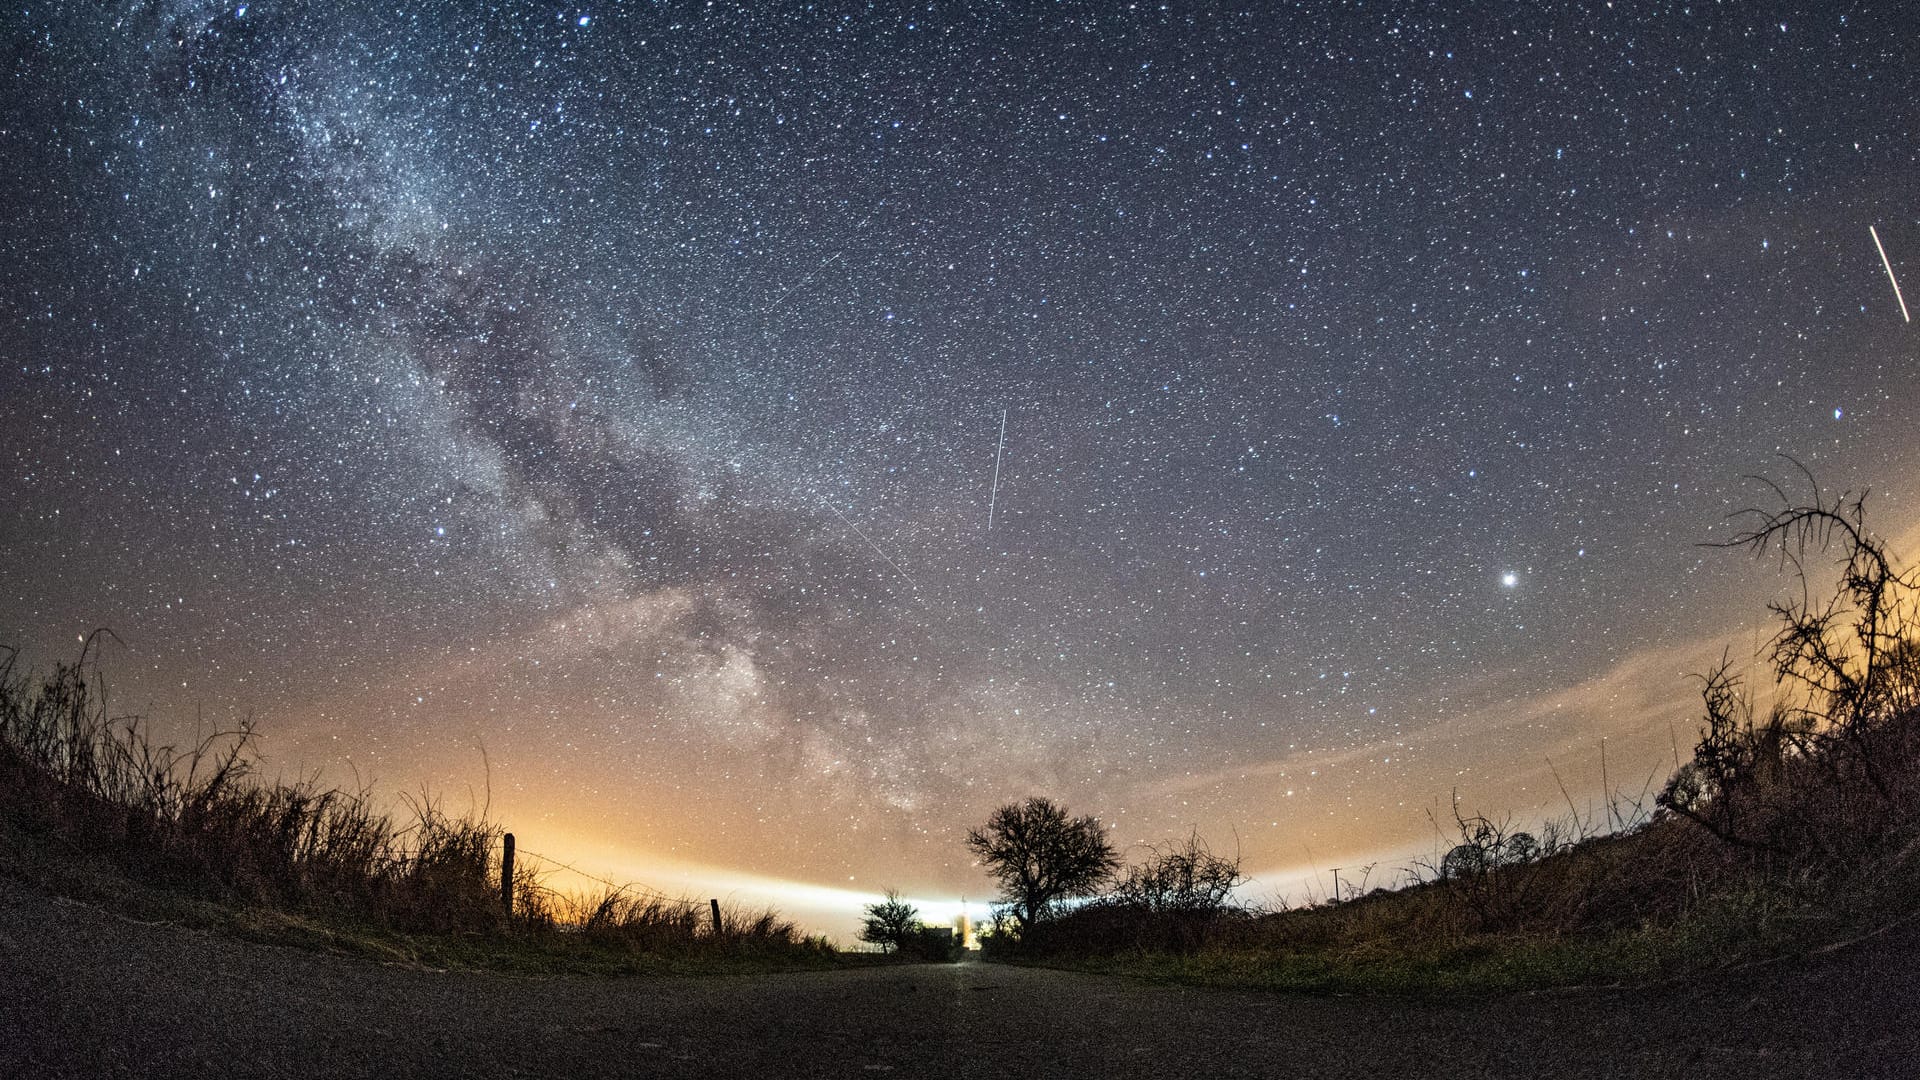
(1001, 450)
(858, 228)
(1896, 281)
(877, 550)
(802, 281)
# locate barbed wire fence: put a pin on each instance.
(628, 889)
(632, 891)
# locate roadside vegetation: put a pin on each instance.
(1790, 830)
(896, 927)
(92, 805)
(1794, 826)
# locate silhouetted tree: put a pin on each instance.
(891, 922)
(1040, 856)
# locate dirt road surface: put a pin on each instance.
(86, 993)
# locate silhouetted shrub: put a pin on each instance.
(936, 944)
(1833, 772)
(1175, 899)
(1182, 876)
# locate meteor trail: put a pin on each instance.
(858, 228)
(994, 496)
(877, 549)
(783, 292)
(1890, 277)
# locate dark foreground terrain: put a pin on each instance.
(84, 992)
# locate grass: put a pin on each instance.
(1610, 911)
(1784, 833)
(1822, 857)
(1730, 932)
(92, 806)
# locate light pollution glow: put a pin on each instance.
(742, 448)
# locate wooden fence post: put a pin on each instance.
(716, 915)
(506, 874)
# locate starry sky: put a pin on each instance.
(595, 411)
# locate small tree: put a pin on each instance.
(1040, 856)
(890, 922)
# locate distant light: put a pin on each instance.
(1837, 414)
(1509, 579)
(585, 19)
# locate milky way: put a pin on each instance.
(617, 392)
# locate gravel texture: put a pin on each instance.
(86, 993)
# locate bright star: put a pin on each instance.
(1509, 579)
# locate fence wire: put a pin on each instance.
(640, 891)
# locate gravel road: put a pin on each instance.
(85, 993)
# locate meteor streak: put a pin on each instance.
(826, 262)
(830, 260)
(1896, 281)
(994, 496)
(877, 549)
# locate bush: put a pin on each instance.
(936, 944)
(1175, 899)
(1180, 877)
(1833, 773)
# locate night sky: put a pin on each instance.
(597, 408)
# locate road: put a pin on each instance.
(86, 993)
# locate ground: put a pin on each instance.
(85, 992)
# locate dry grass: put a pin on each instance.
(1663, 899)
(1779, 832)
(78, 783)
(650, 923)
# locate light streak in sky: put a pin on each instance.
(828, 261)
(1890, 277)
(994, 496)
(810, 276)
(877, 549)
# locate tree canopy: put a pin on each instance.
(1041, 856)
(890, 922)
